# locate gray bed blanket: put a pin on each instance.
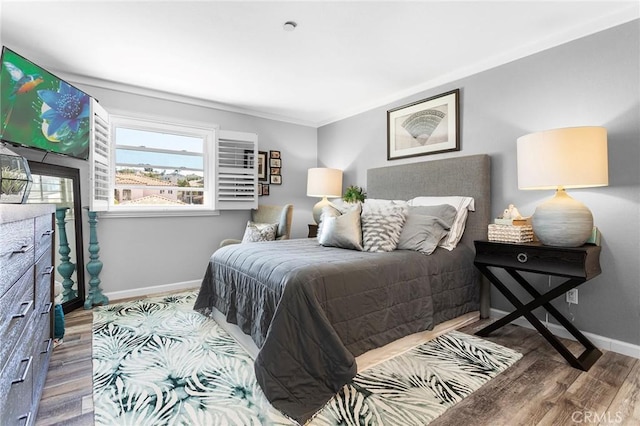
(312, 309)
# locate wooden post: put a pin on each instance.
(94, 266)
(66, 268)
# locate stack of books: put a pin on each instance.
(511, 230)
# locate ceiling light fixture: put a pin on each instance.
(289, 26)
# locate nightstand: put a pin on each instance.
(313, 230)
(578, 265)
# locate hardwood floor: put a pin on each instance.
(540, 389)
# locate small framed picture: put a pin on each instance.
(275, 170)
(275, 162)
(260, 190)
(276, 180)
(262, 165)
(274, 154)
(265, 189)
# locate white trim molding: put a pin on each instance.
(148, 291)
(600, 342)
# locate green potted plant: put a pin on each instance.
(354, 194)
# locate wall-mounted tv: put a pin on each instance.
(40, 110)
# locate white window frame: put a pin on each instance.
(230, 166)
(178, 127)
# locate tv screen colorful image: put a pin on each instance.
(39, 110)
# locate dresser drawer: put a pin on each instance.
(43, 234)
(42, 352)
(533, 257)
(16, 312)
(44, 271)
(16, 386)
(16, 251)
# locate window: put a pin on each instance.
(161, 166)
(147, 166)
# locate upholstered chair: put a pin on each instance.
(282, 215)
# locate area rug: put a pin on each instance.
(158, 362)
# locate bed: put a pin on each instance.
(311, 310)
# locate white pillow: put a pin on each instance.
(379, 202)
(462, 206)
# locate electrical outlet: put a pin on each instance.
(572, 296)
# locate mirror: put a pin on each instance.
(53, 184)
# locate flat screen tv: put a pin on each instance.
(39, 110)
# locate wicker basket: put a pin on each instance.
(510, 233)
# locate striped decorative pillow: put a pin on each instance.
(382, 226)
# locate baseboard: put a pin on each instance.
(146, 291)
(601, 342)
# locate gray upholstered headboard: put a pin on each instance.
(468, 176)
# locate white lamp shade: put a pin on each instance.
(573, 157)
(323, 182)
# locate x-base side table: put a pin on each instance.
(578, 265)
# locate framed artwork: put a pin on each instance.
(274, 154)
(275, 170)
(262, 165)
(276, 180)
(425, 127)
(275, 162)
(265, 189)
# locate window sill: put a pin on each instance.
(156, 213)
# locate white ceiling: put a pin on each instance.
(342, 59)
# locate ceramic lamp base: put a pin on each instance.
(317, 209)
(562, 221)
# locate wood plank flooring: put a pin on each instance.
(540, 389)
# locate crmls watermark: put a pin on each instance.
(595, 417)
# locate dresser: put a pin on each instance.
(26, 308)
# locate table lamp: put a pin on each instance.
(15, 177)
(574, 157)
(323, 182)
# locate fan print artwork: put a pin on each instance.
(425, 127)
(421, 127)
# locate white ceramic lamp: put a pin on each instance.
(323, 182)
(574, 157)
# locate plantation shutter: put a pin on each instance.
(99, 158)
(236, 171)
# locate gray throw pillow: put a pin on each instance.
(256, 232)
(446, 212)
(339, 229)
(422, 233)
(381, 227)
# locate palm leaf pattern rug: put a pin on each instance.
(158, 362)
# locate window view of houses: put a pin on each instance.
(152, 187)
(158, 165)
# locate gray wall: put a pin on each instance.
(590, 81)
(147, 252)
